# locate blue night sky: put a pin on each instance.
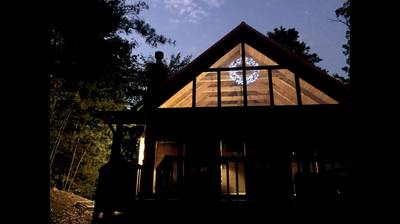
(198, 24)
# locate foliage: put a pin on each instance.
(343, 15)
(91, 68)
(174, 64)
(169, 67)
(289, 39)
(177, 62)
(87, 50)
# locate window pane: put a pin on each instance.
(207, 90)
(258, 57)
(183, 98)
(258, 90)
(231, 90)
(166, 148)
(284, 87)
(232, 170)
(232, 147)
(229, 171)
(312, 95)
(231, 59)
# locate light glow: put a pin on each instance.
(238, 78)
(141, 151)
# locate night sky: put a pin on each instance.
(198, 24)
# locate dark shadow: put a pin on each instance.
(116, 189)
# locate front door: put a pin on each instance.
(233, 152)
(201, 172)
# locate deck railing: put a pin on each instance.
(177, 176)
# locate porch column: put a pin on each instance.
(116, 144)
(146, 187)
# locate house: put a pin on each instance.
(247, 120)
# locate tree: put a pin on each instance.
(289, 39)
(86, 46)
(170, 66)
(91, 68)
(174, 64)
(177, 62)
(343, 16)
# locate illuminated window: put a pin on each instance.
(228, 58)
(141, 151)
(167, 148)
(206, 90)
(251, 76)
(312, 95)
(183, 98)
(284, 87)
(232, 167)
(258, 92)
(231, 92)
(258, 57)
(257, 84)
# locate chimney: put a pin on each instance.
(157, 72)
(159, 55)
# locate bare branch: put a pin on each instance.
(340, 21)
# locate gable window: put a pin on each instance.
(228, 58)
(312, 95)
(259, 57)
(231, 92)
(246, 77)
(284, 87)
(206, 90)
(183, 98)
(258, 91)
(232, 168)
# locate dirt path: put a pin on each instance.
(65, 209)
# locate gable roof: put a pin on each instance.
(247, 34)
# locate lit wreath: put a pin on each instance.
(238, 78)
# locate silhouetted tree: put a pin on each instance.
(91, 67)
(177, 62)
(289, 39)
(174, 64)
(343, 15)
(86, 46)
(170, 66)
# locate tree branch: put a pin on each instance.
(340, 21)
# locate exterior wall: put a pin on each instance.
(271, 136)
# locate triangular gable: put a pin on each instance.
(316, 87)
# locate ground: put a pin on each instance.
(65, 208)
